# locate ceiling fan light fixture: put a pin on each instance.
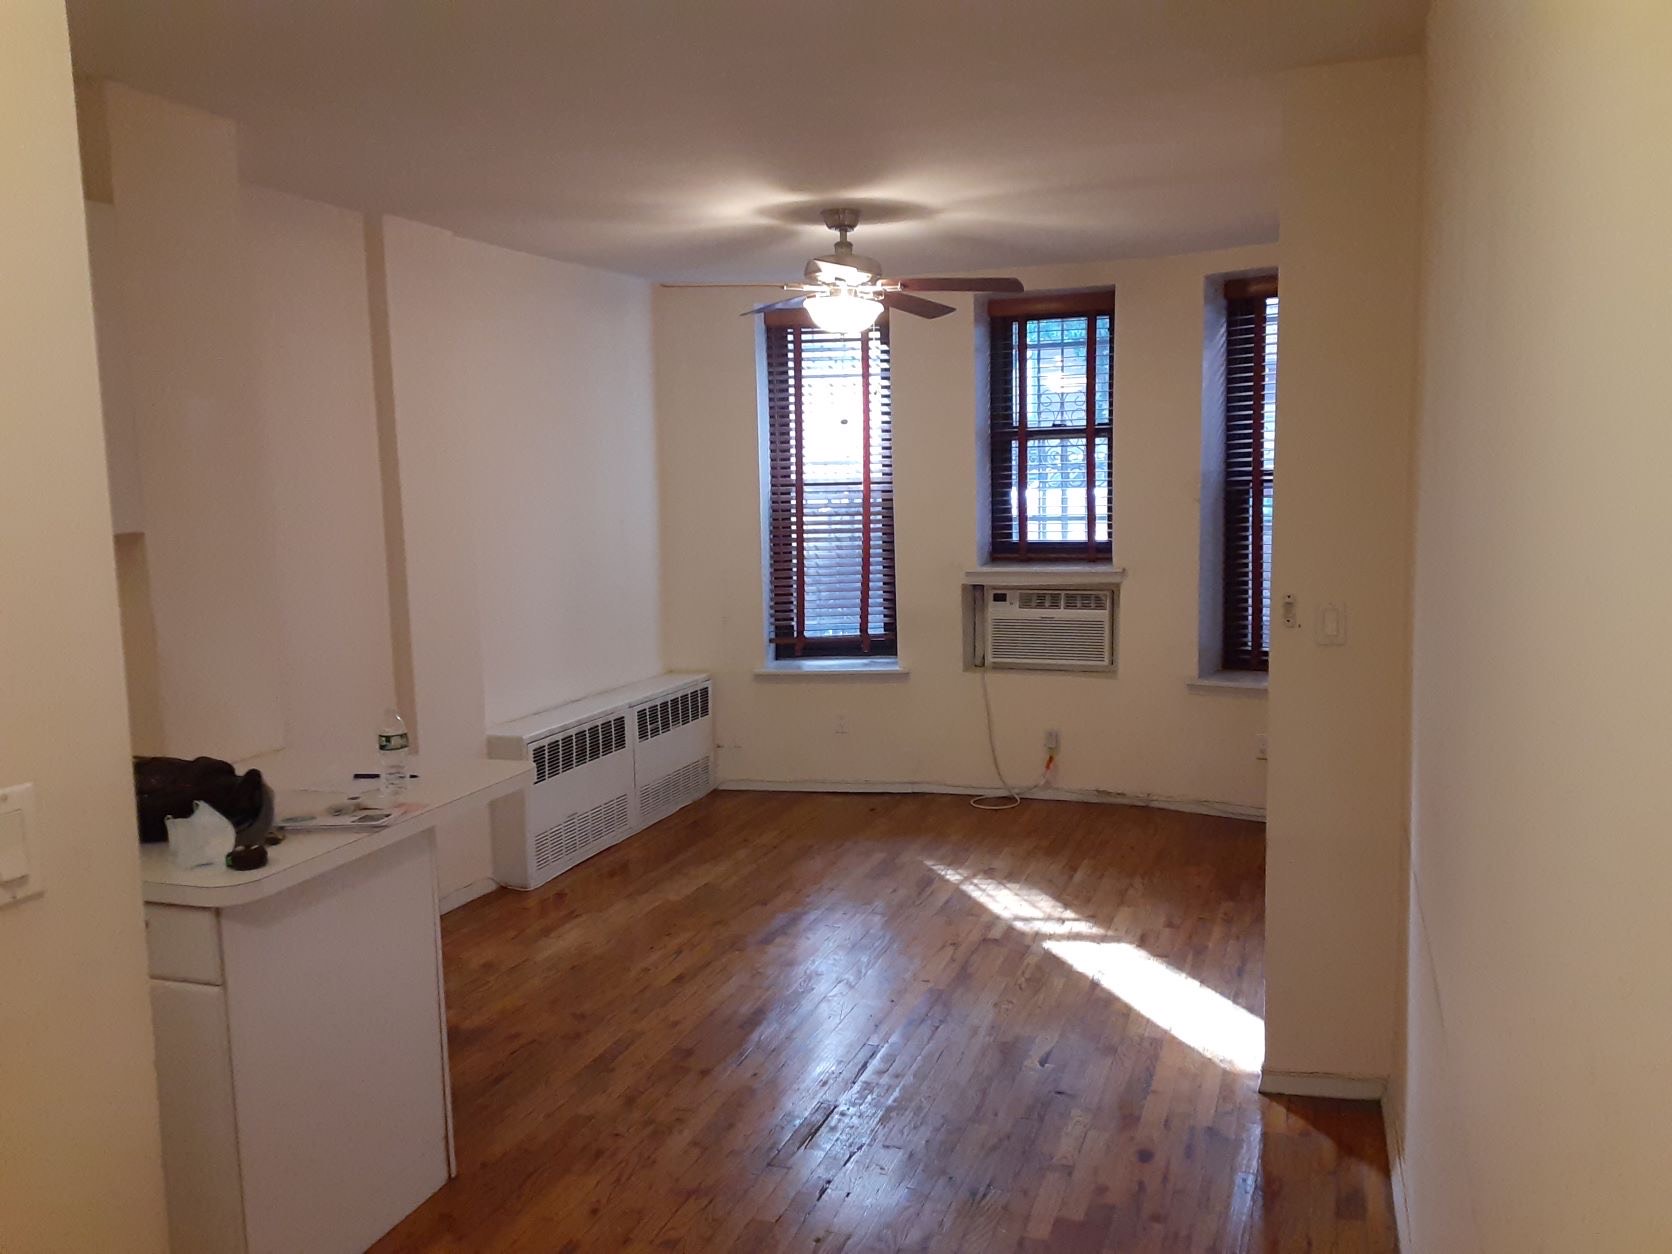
(843, 313)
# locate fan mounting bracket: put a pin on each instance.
(842, 219)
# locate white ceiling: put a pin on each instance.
(695, 139)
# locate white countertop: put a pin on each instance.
(446, 790)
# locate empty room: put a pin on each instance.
(935, 625)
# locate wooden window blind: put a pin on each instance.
(1250, 469)
(831, 495)
(1051, 398)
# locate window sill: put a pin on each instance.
(1046, 575)
(834, 668)
(1240, 683)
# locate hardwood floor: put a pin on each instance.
(792, 1021)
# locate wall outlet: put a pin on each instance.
(841, 724)
(1260, 747)
(1053, 740)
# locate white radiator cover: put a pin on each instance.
(604, 767)
(673, 752)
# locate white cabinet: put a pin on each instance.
(301, 1028)
(304, 1100)
(200, 1129)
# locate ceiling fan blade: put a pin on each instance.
(907, 303)
(960, 285)
(794, 302)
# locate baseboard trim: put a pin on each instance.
(1100, 796)
(1396, 1179)
(470, 892)
(1353, 1088)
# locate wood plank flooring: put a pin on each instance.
(791, 1021)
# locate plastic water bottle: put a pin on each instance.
(391, 751)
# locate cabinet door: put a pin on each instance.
(335, 1003)
(200, 1133)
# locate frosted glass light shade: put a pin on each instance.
(843, 313)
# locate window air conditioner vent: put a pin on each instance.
(1043, 600)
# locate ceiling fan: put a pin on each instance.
(845, 292)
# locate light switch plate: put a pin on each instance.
(1332, 624)
(20, 872)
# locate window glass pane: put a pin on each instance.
(1269, 401)
(833, 427)
(833, 433)
(831, 592)
(1052, 374)
(1251, 359)
(1268, 457)
(1105, 368)
(1101, 535)
(1056, 369)
(1056, 491)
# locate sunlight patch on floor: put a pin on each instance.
(1190, 1011)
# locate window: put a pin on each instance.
(830, 500)
(1050, 396)
(1250, 469)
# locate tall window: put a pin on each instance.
(1051, 396)
(831, 497)
(1250, 468)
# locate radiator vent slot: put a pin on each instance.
(571, 840)
(675, 711)
(563, 753)
(685, 783)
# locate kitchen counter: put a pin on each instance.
(301, 1021)
(445, 790)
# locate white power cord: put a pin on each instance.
(1010, 798)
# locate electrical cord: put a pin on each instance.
(1010, 798)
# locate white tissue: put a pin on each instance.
(204, 839)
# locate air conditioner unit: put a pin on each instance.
(1050, 628)
(593, 774)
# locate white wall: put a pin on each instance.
(560, 406)
(1336, 814)
(127, 501)
(429, 463)
(312, 327)
(79, 1151)
(439, 481)
(185, 321)
(1141, 732)
(1532, 1104)
(520, 410)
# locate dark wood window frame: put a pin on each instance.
(790, 337)
(1010, 435)
(1250, 487)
